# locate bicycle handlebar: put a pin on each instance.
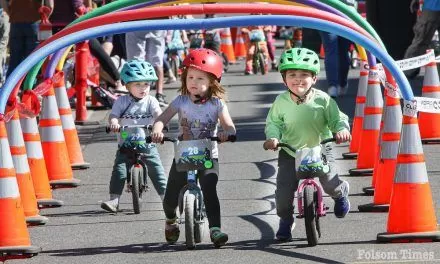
(122, 128)
(231, 138)
(325, 141)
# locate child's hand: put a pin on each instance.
(271, 143)
(114, 125)
(223, 136)
(343, 136)
(157, 137)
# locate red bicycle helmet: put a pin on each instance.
(205, 60)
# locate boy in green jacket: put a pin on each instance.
(302, 117)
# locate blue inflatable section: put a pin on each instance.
(194, 24)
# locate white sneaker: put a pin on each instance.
(111, 205)
(333, 91)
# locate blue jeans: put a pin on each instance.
(337, 60)
(22, 41)
(123, 164)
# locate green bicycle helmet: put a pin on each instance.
(138, 71)
(299, 59)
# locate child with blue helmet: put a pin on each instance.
(302, 117)
(136, 108)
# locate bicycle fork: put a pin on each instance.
(192, 188)
(321, 209)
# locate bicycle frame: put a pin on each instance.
(321, 211)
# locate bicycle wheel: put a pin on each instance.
(310, 216)
(261, 63)
(136, 175)
(190, 199)
(198, 221)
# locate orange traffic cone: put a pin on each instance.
(430, 122)
(240, 46)
(226, 45)
(69, 128)
(14, 236)
(54, 147)
(322, 52)
(358, 119)
(369, 143)
(411, 216)
(385, 168)
(36, 162)
(23, 173)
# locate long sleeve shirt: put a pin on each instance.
(304, 125)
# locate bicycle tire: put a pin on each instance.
(255, 64)
(136, 174)
(190, 199)
(198, 225)
(261, 63)
(310, 216)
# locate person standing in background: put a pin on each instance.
(4, 38)
(424, 29)
(24, 20)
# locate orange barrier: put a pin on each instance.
(385, 168)
(429, 123)
(14, 236)
(322, 52)
(239, 46)
(358, 119)
(37, 165)
(369, 143)
(69, 128)
(412, 217)
(23, 173)
(54, 147)
(226, 45)
(81, 61)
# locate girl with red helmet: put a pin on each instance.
(200, 107)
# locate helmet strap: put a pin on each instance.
(301, 99)
(201, 99)
(136, 99)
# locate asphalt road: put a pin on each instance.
(80, 232)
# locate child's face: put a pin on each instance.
(138, 89)
(197, 82)
(299, 81)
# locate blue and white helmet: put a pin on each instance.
(138, 71)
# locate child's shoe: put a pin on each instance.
(342, 207)
(218, 237)
(111, 205)
(284, 232)
(172, 230)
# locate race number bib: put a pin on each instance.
(309, 161)
(193, 155)
(134, 138)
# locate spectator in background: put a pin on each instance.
(4, 38)
(65, 12)
(149, 46)
(24, 20)
(395, 31)
(427, 23)
(337, 60)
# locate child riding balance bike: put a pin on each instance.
(301, 117)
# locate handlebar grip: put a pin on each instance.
(231, 138)
(333, 139)
(286, 146)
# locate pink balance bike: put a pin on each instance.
(310, 163)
